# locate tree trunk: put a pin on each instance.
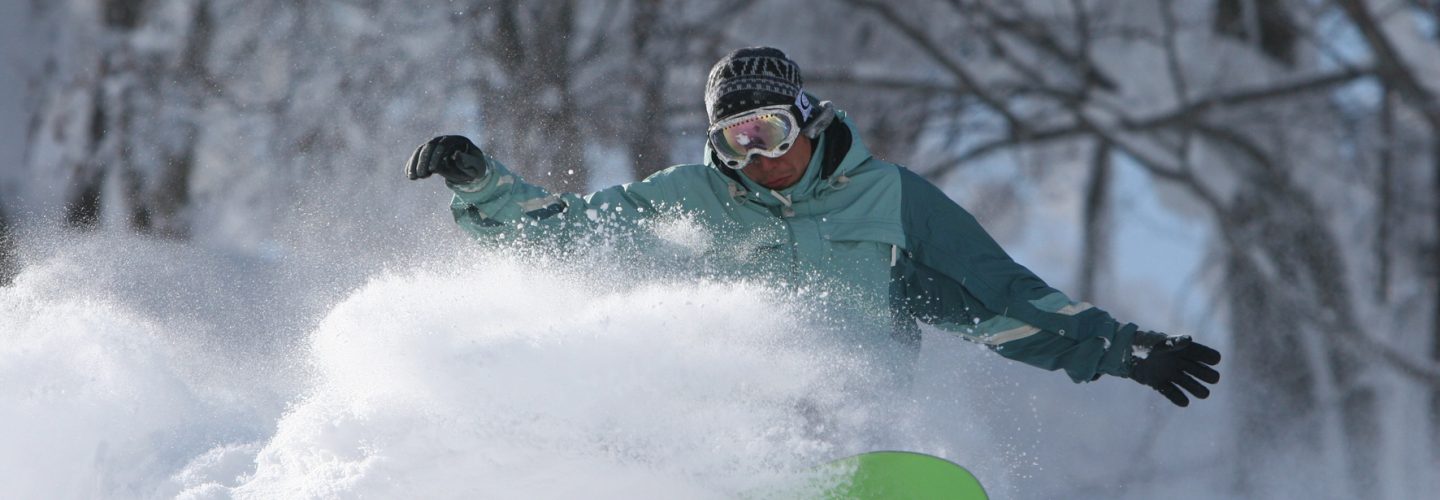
(82, 207)
(82, 201)
(1303, 392)
(9, 263)
(159, 204)
(1385, 196)
(1265, 354)
(649, 136)
(531, 121)
(108, 117)
(1096, 251)
(1434, 274)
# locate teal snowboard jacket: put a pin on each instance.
(888, 242)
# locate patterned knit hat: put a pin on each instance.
(753, 77)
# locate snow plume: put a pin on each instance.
(91, 394)
(120, 361)
(500, 380)
(470, 375)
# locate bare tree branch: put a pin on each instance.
(1043, 40)
(933, 50)
(885, 83)
(1180, 116)
(1254, 96)
(1390, 65)
(1010, 140)
(1083, 40)
(598, 42)
(1172, 55)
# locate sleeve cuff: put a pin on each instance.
(1119, 357)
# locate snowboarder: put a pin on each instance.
(792, 176)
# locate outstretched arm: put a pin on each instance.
(958, 278)
(491, 202)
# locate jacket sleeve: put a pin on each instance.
(500, 205)
(957, 277)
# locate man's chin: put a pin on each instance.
(780, 182)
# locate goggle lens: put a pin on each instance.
(768, 134)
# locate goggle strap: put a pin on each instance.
(822, 121)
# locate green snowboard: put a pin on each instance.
(882, 475)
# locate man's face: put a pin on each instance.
(782, 172)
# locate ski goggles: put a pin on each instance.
(767, 131)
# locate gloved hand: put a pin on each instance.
(452, 156)
(1175, 361)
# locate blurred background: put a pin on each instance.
(1263, 175)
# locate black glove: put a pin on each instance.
(1175, 361)
(452, 156)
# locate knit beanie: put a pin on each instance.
(754, 77)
